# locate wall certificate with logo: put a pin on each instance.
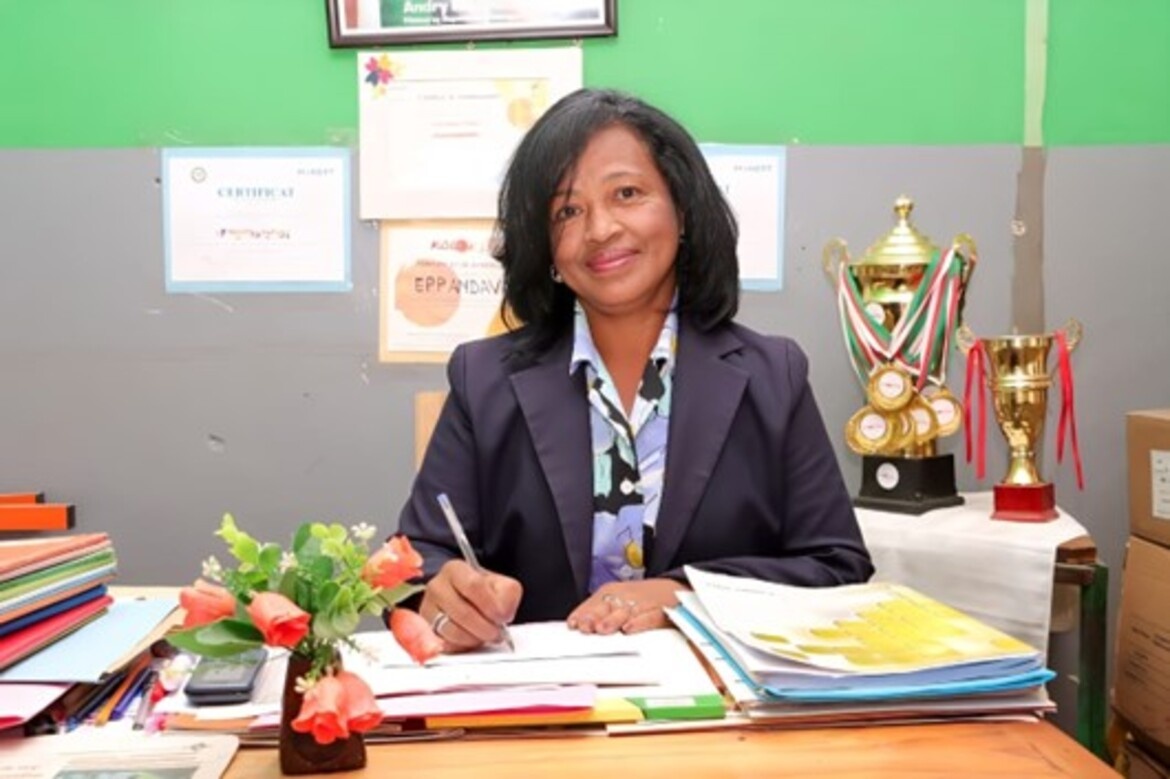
(440, 286)
(256, 219)
(436, 128)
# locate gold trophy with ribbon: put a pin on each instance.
(900, 304)
(1016, 368)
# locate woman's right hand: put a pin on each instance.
(466, 607)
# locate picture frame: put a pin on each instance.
(364, 23)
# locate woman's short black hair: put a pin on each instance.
(706, 268)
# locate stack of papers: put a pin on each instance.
(49, 588)
(870, 651)
(554, 679)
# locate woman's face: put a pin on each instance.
(614, 227)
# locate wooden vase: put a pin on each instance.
(299, 752)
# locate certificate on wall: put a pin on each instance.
(256, 220)
(752, 180)
(436, 128)
(440, 286)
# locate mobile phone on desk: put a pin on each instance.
(224, 680)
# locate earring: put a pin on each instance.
(555, 274)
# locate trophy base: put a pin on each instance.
(908, 485)
(1025, 503)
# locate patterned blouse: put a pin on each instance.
(629, 454)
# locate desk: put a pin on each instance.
(1016, 749)
(1003, 573)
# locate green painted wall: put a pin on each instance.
(128, 73)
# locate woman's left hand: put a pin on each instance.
(630, 607)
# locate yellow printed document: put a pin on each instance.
(873, 641)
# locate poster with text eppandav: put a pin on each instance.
(440, 287)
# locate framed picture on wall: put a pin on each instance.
(357, 23)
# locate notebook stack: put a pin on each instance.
(856, 653)
(50, 587)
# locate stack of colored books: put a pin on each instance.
(50, 587)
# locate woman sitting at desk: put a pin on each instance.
(629, 427)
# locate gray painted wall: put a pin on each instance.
(155, 413)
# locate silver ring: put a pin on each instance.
(438, 622)
(613, 600)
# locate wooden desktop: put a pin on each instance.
(1036, 750)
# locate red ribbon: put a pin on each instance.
(1068, 418)
(975, 359)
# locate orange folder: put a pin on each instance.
(22, 497)
(36, 516)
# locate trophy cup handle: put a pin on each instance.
(1074, 331)
(835, 254)
(965, 245)
(965, 338)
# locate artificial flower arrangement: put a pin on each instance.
(310, 600)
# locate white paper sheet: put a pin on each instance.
(21, 702)
(998, 572)
(256, 219)
(117, 753)
(752, 179)
(436, 128)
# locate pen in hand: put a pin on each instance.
(468, 553)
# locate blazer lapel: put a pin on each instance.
(557, 413)
(706, 393)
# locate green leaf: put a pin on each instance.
(223, 638)
(302, 537)
(242, 546)
(335, 624)
(326, 594)
(320, 569)
(269, 558)
(288, 585)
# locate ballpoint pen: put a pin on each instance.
(146, 702)
(97, 695)
(468, 553)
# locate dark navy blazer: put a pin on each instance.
(752, 486)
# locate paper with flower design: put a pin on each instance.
(876, 628)
(436, 128)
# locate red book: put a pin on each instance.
(19, 645)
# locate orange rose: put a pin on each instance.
(281, 621)
(205, 603)
(414, 635)
(337, 705)
(393, 564)
(321, 712)
(360, 707)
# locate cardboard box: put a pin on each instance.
(1147, 436)
(1141, 679)
(1143, 765)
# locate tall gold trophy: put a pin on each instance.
(1019, 381)
(900, 304)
